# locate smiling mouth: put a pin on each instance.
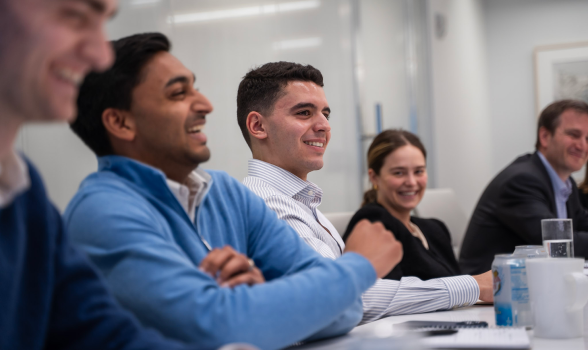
(70, 76)
(578, 155)
(412, 193)
(316, 144)
(196, 129)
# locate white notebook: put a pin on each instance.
(481, 338)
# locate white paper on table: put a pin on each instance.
(481, 338)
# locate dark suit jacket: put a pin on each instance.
(583, 198)
(510, 211)
(438, 261)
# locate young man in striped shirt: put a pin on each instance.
(284, 117)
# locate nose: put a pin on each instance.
(97, 51)
(201, 104)
(410, 180)
(322, 124)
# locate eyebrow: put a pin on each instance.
(308, 105)
(180, 79)
(404, 167)
(97, 6)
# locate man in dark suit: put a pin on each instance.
(534, 187)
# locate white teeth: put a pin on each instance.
(317, 144)
(408, 193)
(71, 76)
(196, 128)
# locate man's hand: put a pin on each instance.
(485, 283)
(230, 268)
(376, 244)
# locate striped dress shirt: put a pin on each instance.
(296, 201)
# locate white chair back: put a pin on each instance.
(442, 204)
(340, 220)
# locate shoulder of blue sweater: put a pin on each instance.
(217, 173)
(106, 183)
(224, 185)
(221, 176)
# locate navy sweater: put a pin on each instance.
(50, 297)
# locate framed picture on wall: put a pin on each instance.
(561, 72)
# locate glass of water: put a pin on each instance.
(558, 238)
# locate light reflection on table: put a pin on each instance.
(379, 334)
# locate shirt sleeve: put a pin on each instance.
(411, 295)
(305, 296)
(386, 298)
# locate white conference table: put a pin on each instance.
(379, 334)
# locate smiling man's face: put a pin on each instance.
(567, 149)
(169, 114)
(48, 46)
(298, 129)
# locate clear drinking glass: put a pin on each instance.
(558, 238)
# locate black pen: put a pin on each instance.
(435, 332)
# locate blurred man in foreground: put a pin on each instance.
(159, 227)
(534, 187)
(50, 297)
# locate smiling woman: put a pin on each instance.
(398, 173)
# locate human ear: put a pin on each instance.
(544, 137)
(373, 177)
(255, 125)
(119, 124)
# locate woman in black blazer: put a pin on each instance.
(398, 173)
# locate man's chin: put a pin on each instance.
(573, 168)
(50, 112)
(318, 165)
(201, 156)
(63, 109)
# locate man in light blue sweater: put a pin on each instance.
(158, 227)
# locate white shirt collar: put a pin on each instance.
(283, 180)
(14, 178)
(307, 196)
(190, 194)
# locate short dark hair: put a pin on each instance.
(263, 86)
(114, 87)
(385, 143)
(549, 118)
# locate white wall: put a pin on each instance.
(220, 52)
(382, 67)
(460, 100)
(482, 83)
(381, 71)
(513, 30)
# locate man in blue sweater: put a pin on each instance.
(158, 226)
(50, 296)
